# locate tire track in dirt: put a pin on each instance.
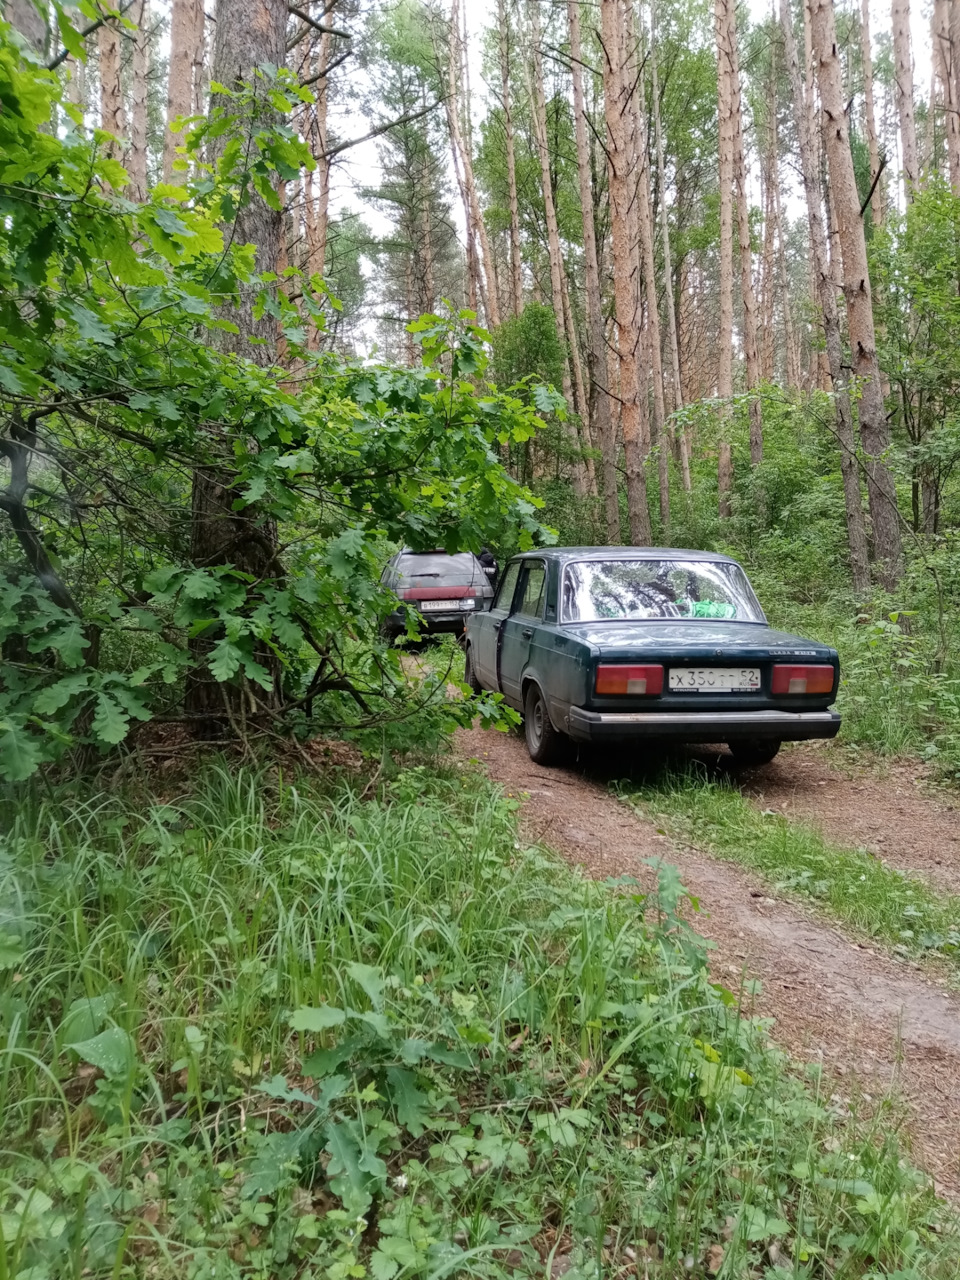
(879, 1025)
(892, 814)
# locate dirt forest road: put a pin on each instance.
(879, 1025)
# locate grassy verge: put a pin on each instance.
(855, 887)
(274, 1031)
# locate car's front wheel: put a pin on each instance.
(754, 751)
(469, 672)
(544, 743)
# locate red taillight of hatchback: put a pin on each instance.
(619, 678)
(802, 680)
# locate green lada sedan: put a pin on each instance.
(618, 644)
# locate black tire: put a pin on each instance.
(752, 752)
(469, 674)
(545, 745)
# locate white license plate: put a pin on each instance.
(715, 679)
(438, 606)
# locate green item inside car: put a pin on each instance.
(710, 608)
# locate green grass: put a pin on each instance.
(856, 888)
(276, 1030)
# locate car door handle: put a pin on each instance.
(497, 626)
(527, 633)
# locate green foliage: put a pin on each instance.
(272, 1029)
(115, 397)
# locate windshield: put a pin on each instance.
(597, 590)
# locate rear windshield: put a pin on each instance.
(598, 590)
(436, 568)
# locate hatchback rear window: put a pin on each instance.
(625, 590)
(438, 568)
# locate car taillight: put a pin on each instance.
(802, 680)
(633, 680)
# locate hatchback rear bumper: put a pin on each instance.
(700, 726)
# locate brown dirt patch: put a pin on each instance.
(892, 813)
(877, 1024)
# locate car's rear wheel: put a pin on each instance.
(544, 743)
(755, 751)
(469, 672)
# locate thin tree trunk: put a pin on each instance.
(186, 43)
(249, 34)
(943, 59)
(468, 184)
(874, 429)
(747, 294)
(554, 253)
(585, 440)
(903, 67)
(866, 54)
(648, 262)
(112, 117)
(137, 155)
(625, 265)
(672, 330)
(725, 335)
(599, 399)
(768, 182)
(516, 259)
(318, 266)
(827, 296)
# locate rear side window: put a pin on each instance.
(508, 586)
(531, 606)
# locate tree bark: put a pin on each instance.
(248, 34)
(874, 429)
(827, 295)
(625, 266)
(903, 68)
(725, 335)
(516, 258)
(186, 44)
(873, 144)
(137, 155)
(599, 398)
(112, 116)
(26, 18)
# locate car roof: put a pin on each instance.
(566, 554)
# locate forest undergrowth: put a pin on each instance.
(270, 1027)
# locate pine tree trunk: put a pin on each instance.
(725, 334)
(137, 155)
(874, 429)
(322, 205)
(827, 297)
(248, 34)
(599, 400)
(672, 330)
(903, 67)
(873, 144)
(516, 259)
(747, 295)
(625, 265)
(112, 117)
(186, 43)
